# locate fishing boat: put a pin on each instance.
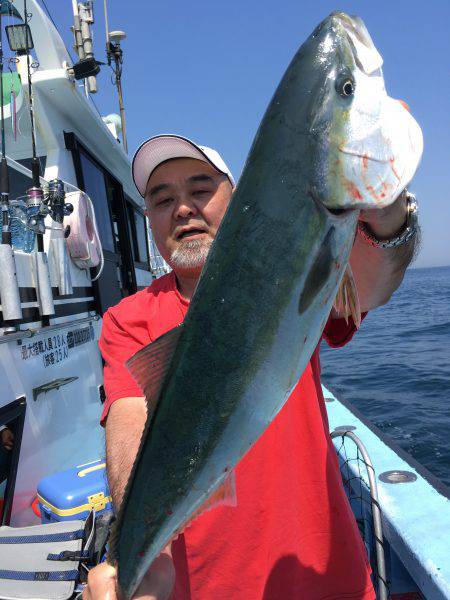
(51, 369)
(78, 243)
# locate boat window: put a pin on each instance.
(11, 426)
(138, 234)
(141, 237)
(95, 187)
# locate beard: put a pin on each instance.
(190, 254)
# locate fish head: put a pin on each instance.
(366, 145)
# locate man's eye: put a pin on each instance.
(163, 201)
(200, 192)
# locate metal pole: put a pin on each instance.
(106, 26)
(78, 47)
(119, 92)
(86, 19)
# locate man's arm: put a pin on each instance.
(124, 427)
(378, 272)
(123, 432)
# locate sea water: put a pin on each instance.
(396, 370)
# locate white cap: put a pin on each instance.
(160, 148)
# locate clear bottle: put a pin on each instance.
(30, 235)
(17, 224)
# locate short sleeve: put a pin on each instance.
(338, 332)
(117, 346)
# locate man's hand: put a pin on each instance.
(126, 421)
(379, 271)
(386, 222)
(156, 585)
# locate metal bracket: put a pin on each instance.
(52, 385)
(98, 501)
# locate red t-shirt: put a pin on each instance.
(292, 534)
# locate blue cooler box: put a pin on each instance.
(72, 494)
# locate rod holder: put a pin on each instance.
(9, 287)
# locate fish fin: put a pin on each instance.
(347, 299)
(224, 495)
(149, 366)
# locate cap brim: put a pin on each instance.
(161, 148)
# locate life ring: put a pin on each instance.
(83, 241)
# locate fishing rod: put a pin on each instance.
(34, 160)
(37, 208)
(4, 176)
(9, 287)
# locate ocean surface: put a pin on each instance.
(396, 370)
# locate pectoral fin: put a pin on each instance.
(150, 365)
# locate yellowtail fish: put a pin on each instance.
(331, 142)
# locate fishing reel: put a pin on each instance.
(42, 203)
(37, 210)
(56, 201)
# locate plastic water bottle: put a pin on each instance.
(22, 237)
(30, 235)
(17, 224)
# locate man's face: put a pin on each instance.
(186, 200)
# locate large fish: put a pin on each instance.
(331, 142)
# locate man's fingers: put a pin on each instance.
(101, 583)
(156, 585)
(158, 581)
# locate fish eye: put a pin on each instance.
(345, 87)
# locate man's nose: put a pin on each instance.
(185, 207)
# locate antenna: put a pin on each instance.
(87, 67)
(106, 26)
(114, 52)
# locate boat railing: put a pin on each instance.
(358, 476)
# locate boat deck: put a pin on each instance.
(416, 514)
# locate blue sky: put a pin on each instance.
(207, 70)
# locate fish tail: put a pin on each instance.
(347, 302)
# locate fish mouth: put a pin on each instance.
(365, 53)
(354, 25)
(337, 213)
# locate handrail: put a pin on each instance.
(376, 512)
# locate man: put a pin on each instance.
(292, 534)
